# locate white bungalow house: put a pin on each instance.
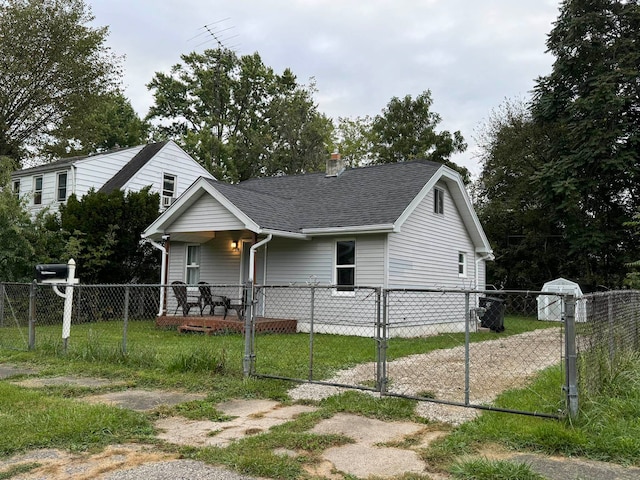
(163, 165)
(400, 225)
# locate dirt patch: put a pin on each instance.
(143, 400)
(59, 465)
(87, 382)
(495, 366)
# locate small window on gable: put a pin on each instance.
(168, 189)
(192, 275)
(345, 265)
(37, 190)
(438, 201)
(462, 264)
(62, 187)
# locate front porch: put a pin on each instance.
(211, 324)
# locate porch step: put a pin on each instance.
(217, 325)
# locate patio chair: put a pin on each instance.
(207, 298)
(239, 305)
(180, 292)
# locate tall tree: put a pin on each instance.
(51, 60)
(108, 121)
(238, 117)
(590, 175)
(354, 140)
(16, 251)
(406, 130)
(528, 244)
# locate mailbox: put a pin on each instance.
(52, 273)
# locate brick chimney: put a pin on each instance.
(335, 165)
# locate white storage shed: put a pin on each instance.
(550, 307)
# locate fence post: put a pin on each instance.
(311, 337)
(32, 315)
(571, 357)
(610, 318)
(247, 361)
(467, 340)
(125, 317)
(1, 304)
(382, 320)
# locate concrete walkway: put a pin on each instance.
(379, 448)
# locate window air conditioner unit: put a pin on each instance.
(167, 201)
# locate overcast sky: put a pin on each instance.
(471, 54)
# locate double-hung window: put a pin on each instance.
(438, 201)
(62, 187)
(37, 190)
(462, 264)
(345, 265)
(168, 189)
(16, 187)
(192, 275)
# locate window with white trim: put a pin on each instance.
(192, 274)
(37, 190)
(462, 264)
(345, 265)
(438, 201)
(168, 189)
(16, 187)
(62, 187)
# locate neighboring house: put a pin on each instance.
(164, 165)
(400, 225)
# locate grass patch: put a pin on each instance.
(608, 428)
(482, 469)
(16, 470)
(38, 420)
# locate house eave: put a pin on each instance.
(282, 233)
(350, 230)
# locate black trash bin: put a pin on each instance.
(493, 316)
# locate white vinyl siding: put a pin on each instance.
(96, 170)
(171, 158)
(206, 214)
(304, 261)
(300, 261)
(425, 252)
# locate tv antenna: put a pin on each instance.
(217, 33)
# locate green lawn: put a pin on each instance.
(608, 427)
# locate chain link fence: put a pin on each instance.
(31, 315)
(445, 346)
(607, 337)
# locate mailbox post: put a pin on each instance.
(57, 274)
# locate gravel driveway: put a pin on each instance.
(495, 366)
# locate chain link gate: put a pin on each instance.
(452, 347)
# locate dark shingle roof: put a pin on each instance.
(132, 167)
(65, 162)
(375, 195)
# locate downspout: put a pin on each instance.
(252, 255)
(249, 357)
(488, 256)
(163, 272)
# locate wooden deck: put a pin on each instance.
(211, 324)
